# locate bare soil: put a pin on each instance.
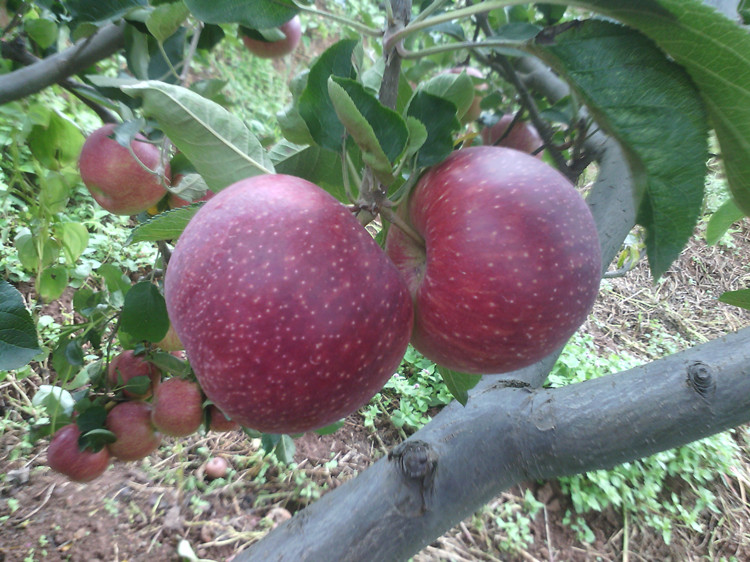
(141, 511)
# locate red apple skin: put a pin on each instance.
(219, 422)
(136, 436)
(292, 315)
(65, 457)
(511, 262)
(292, 31)
(177, 407)
(115, 180)
(523, 136)
(127, 365)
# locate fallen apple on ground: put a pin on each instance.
(115, 179)
(66, 457)
(510, 264)
(291, 314)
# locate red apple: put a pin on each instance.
(66, 457)
(523, 136)
(131, 424)
(178, 407)
(216, 467)
(174, 202)
(291, 314)
(217, 421)
(511, 262)
(292, 31)
(115, 179)
(128, 365)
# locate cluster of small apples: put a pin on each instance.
(137, 419)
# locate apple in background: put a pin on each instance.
(216, 467)
(511, 262)
(217, 421)
(177, 407)
(292, 31)
(115, 179)
(127, 365)
(291, 314)
(175, 202)
(65, 456)
(170, 342)
(131, 424)
(523, 136)
(472, 114)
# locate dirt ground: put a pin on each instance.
(144, 511)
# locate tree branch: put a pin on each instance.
(51, 70)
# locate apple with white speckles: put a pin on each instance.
(511, 262)
(292, 315)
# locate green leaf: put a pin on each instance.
(715, 51)
(138, 385)
(724, 217)
(458, 384)
(164, 226)
(101, 10)
(359, 127)
(54, 400)
(170, 364)
(166, 19)
(96, 439)
(60, 358)
(115, 278)
(43, 32)
(438, 115)
(19, 342)
(292, 126)
(256, 14)
(739, 298)
(220, 146)
(315, 106)
(26, 248)
(51, 282)
(55, 192)
(74, 238)
(458, 88)
(284, 449)
(317, 165)
(332, 428)
(652, 107)
(57, 142)
(144, 314)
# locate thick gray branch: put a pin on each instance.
(51, 70)
(508, 435)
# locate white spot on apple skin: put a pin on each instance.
(499, 227)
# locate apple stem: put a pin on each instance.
(388, 214)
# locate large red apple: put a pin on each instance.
(127, 365)
(115, 179)
(292, 31)
(135, 436)
(510, 266)
(523, 136)
(66, 457)
(178, 407)
(291, 314)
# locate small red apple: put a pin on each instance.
(291, 314)
(66, 457)
(177, 407)
(219, 422)
(511, 262)
(523, 136)
(115, 179)
(127, 365)
(131, 424)
(216, 467)
(292, 31)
